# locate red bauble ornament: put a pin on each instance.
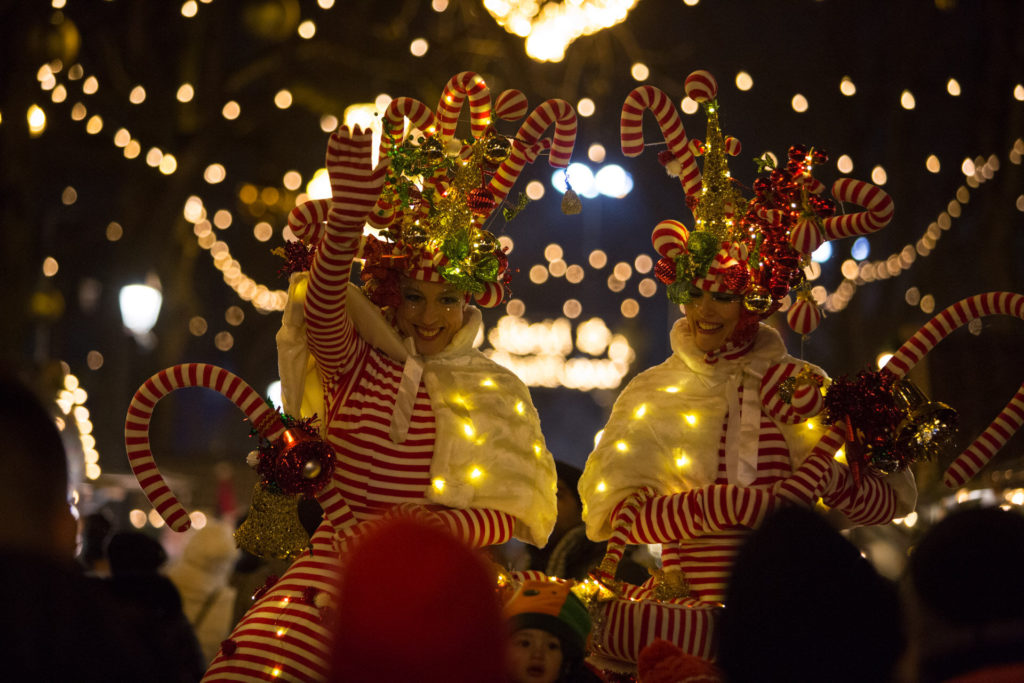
(736, 278)
(665, 270)
(762, 186)
(480, 200)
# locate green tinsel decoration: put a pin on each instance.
(509, 212)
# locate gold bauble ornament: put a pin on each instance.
(757, 300)
(496, 149)
(484, 242)
(475, 258)
(432, 151)
(415, 235)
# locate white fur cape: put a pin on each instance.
(489, 451)
(649, 439)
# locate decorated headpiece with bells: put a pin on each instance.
(441, 191)
(754, 246)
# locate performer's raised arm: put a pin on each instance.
(355, 186)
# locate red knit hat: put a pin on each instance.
(417, 604)
(663, 662)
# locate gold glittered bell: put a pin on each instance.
(571, 204)
(670, 584)
(272, 529)
(929, 427)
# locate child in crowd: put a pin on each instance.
(549, 626)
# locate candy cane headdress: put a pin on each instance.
(756, 247)
(441, 191)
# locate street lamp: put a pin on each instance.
(140, 307)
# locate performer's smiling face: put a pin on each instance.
(712, 317)
(430, 313)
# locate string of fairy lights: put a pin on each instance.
(72, 86)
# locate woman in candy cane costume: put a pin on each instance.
(421, 422)
(700, 448)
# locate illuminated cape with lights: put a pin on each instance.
(484, 417)
(649, 442)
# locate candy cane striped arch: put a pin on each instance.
(459, 87)
(140, 413)
(1010, 418)
(622, 525)
(631, 136)
(877, 202)
(554, 111)
(420, 116)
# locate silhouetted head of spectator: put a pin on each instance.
(34, 512)
(133, 553)
(977, 554)
(964, 595)
(96, 530)
(804, 605)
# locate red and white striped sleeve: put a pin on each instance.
(705, 510)
(873, 502)
(355, 186)
(329, 332)
(478, 527)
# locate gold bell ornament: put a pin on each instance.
(297, 465)
(272, 528)
(571, 204)
(292, 460)
(929, 427)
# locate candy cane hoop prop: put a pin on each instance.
(877, 214)
(140, 412)
(631, 135)
(550, 112)
(460, 87)
(420, 116)
(1010, 418)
